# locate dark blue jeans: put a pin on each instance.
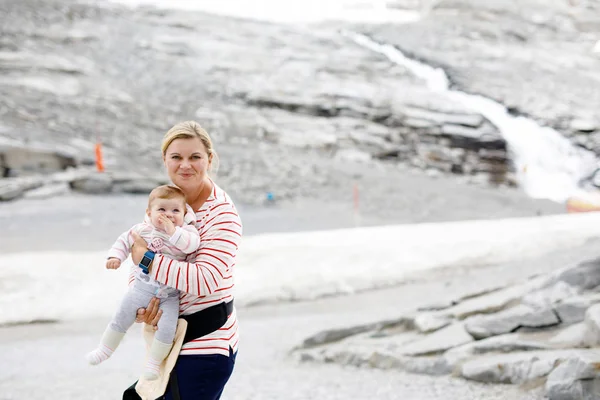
(202, 377)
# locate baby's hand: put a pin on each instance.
(166, 224)
(113, 263)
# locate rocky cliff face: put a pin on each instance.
(283, 102)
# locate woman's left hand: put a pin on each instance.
(138, 248)
(151, 314)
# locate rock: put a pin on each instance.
(571, 336)
(514, 368)
(490, 302)
(365, 138)
(512, 342)
(430, 322)
(575, 378)
(317, 100)
(438, 341)
(442, 305)
(352, 357)
(442, 118)
(61, 86)
(434, 366)
(572, 310)
(354, 349)
(352, 155)
(69, 36)
(138, 186)
(19, 158)
(47, 191)
(585, 275)
(346, 124)
(334, 335)
(71, 174)
(510, 320)
(51, 62)
(492, 155)
(592, 326)
(583, 125)
(12, 188)
(425, 124)
(549, 296)
(483, 135)
(366, 353)
(97, 183)
(171, 45)
(10, 191)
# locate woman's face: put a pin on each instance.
(187, 162)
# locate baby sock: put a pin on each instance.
(108, 344)
(157, 353)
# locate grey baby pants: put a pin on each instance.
(139, 296)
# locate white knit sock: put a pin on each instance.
(98, 355)
(152, 369)
(108, 344)
(156, 355)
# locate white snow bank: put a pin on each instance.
(275, 267)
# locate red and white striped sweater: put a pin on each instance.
(206, 278)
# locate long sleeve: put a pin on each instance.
(122, 246)
(186, 239)
(210, 267)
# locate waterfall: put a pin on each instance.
(547, 164)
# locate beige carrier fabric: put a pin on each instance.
(152, 390)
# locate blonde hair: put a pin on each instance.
(190, 130)
(166, 192)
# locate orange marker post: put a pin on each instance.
(99, 161)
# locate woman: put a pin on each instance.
(206, 361)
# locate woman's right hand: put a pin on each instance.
(151, 314)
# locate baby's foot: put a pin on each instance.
(152, 369)
(95, 357)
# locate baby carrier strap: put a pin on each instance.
(200, 323)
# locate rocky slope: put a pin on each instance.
(538, 332)
(292, 109)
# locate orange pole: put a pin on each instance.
(99, 161)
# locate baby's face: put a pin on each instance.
(174, 209)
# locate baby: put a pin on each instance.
(170, 230)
